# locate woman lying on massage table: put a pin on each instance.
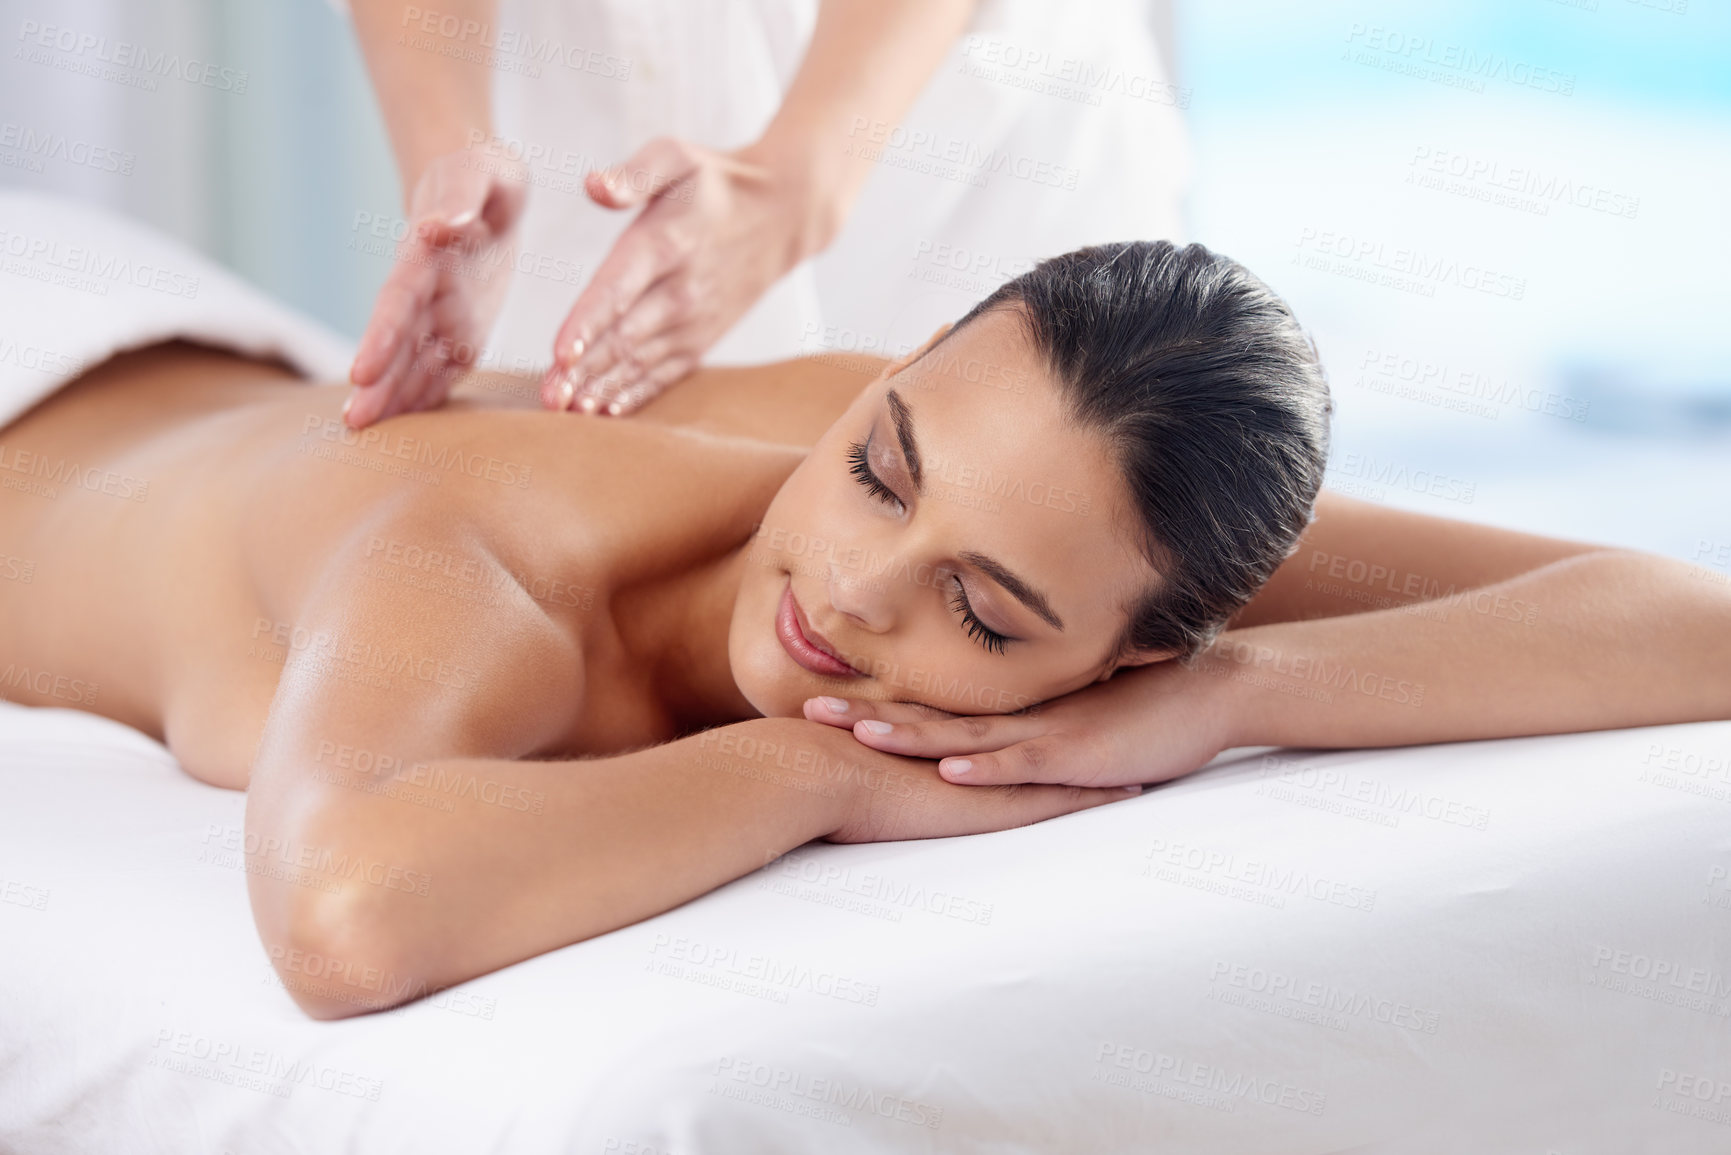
(498, 680)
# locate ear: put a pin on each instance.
(907, 359)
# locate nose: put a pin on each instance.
(862, 597)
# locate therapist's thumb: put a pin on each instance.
(457, 199)
(650, 171)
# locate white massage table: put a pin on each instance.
(1512, 946)
(1518, 946)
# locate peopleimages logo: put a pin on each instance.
(1458, 65)
(45, 146)
(88, 53)
(950, 157)
(1529, 188)
(1401, 266)
(733, 1074)
(462, 36)
(1117, 1063)
(101, 268)
(387, 444)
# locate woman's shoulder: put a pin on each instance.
(786, 402)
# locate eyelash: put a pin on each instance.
(991, 639)
(862, 471)
(860, 467)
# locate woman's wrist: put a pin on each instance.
(818, 766)
(1224, 697)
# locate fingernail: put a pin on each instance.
(873, 726)
(588, 403)
(615, 408)
(348, 401)
(1131, 789)
(955, 765)
(833, 705)
(577, 347)
(566, 392)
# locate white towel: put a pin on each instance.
(78, 285)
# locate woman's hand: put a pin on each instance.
(717, 229)
(894, 799)
(1143, 725)
(439, 302)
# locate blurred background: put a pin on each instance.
(1504, 221)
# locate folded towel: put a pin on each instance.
(80, 284)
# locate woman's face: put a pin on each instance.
(952, 541)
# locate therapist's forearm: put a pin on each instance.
(1594, 642)
(434, 102)
(867, 63)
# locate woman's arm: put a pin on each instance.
(1595, 641)
(397, 844)
(1482, 633)
(1358, 556)
(440, 869)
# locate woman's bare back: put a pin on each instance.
(173, 509)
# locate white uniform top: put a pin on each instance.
(1048, 126)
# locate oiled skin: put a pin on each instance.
(196, 502)
(210, 563)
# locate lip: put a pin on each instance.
(803, 644)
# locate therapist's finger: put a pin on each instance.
(596, 376)
(628, 371)
(636, 365)
(426, 392)
(649, 172)
(375, 402)
(463, 200)
(647, 251)
(425, 385)
(654, 381)
(662, 306)
(404, 294)
(453, 320)
(448, 351)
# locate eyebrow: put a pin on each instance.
(1019, 589)
(903, 419)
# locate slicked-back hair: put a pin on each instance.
(1214, 402)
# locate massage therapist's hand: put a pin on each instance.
(1147, 724)
(716, 230)
(439, 302)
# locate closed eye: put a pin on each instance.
(861, 468)
(859, 464)
(992, 640)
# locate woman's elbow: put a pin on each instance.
(335, 960)
(335, 942)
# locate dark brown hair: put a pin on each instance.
(1213, 397)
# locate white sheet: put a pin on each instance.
(1455, 949)
(78, 285)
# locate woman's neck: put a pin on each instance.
(678, 634)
